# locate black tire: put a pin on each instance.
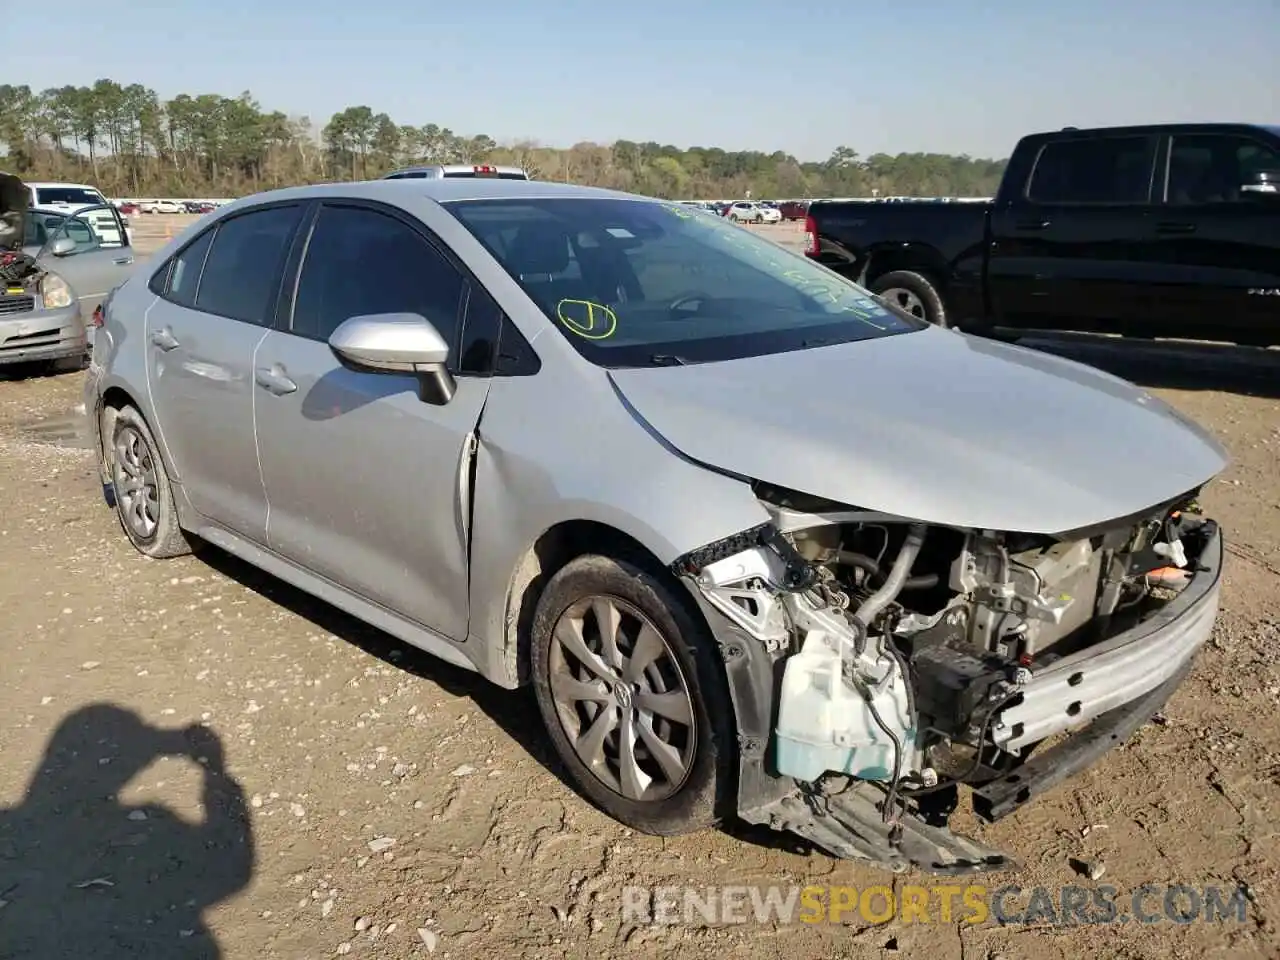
(704, 795)
(133, 442)
(67, 365)
(917, 286)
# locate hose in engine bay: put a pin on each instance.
(875, 604)
(862, 619)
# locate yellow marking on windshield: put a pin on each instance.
(597, 322)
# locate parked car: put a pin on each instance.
(745, 211)
(1155, 231)
(66, 197)
(162, 206)
(770, 212)
(43, 318)
(728, 599)
(458, 170)
(794, 209)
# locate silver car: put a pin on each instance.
(81, 256)
(762, 546)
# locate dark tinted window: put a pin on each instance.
(1101, 170)
(185, 272)
(1211, 168)
(68, 195)
(481, 329)
(490, 176)
(242, 272)
(360, 262)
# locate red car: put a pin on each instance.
(794, 209)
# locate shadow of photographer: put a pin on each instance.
(84, 875)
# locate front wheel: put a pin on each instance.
(631, 690)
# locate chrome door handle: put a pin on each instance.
(1175, 228)
(123, 261)
(164, 339)
(274, 380)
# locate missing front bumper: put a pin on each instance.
(1114, 687)
(1063, 761)
(849, 825)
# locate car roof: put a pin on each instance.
(440, 190)
(56, 211)
(57, 183)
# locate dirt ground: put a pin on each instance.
(200, 751)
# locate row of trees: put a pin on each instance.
(129, 142)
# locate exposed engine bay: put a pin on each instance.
(17, 269)
(918, 658)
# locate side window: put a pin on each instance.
(360, 261)
(242, 271)
(480, 332)
(1211, 168)
(184, 275)
(1093, 170)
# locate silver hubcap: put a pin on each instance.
(136, 483)
(906, 300)
(622, 698)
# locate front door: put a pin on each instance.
(201, 337)
(367, 482)
(100, 260)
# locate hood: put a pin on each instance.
(933, 426)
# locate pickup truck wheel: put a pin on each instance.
(633, 696)
(912, 293)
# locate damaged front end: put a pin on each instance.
(877, 665)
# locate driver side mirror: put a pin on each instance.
(63, 246)
(1264, 181)
(397, 343)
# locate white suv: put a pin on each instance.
(72, 198)
(744, 211)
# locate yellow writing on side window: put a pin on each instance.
(590, 320)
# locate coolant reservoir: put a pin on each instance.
(824, 725)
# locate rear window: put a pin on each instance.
(67, 195)
(488, 176)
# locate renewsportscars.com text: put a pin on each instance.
(941, 903)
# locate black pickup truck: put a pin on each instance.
(1151, 231)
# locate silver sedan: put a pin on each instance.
(763, 545)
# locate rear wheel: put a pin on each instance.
(143, 495)
(633, 696)
(912, 293)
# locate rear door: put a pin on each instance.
(1073, 248)
(1218, 245)
(217, 300)
(100, 260)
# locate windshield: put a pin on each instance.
(68, 195)
(640, 282)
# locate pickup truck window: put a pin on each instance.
(1211, 168)
(1092, 170)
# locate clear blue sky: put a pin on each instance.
(959, 76)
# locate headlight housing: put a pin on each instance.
(55, 292)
